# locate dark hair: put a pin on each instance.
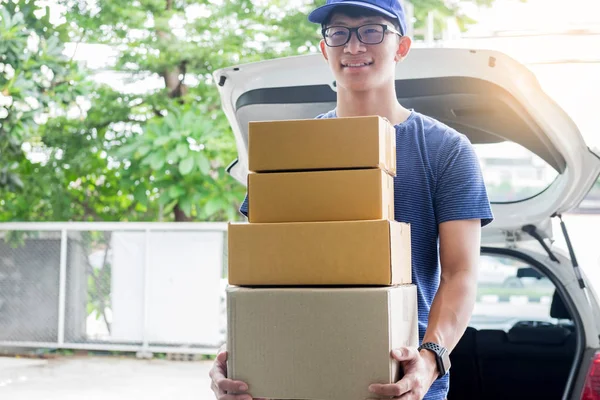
(357, 12)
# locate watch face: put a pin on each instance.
(442, 357)
(446, 360)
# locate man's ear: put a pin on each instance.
(403, 48)
(322, 47)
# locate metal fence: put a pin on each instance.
(144, 287)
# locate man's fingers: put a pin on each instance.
(235, 397)
(215, 373)
(410, 395)
(222, 356)
(219, 368)
(222, 348)
(228, 385)
(405, 353)
(393, 389)
(405, 396)
(224, 388)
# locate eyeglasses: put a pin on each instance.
(336, 36)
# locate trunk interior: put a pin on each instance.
(532, 359)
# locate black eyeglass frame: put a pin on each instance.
(386, 29)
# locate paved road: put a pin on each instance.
(103, 378)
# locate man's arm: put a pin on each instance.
(450, 311)
(453, 304)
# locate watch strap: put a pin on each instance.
(439, 353)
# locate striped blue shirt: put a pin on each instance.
(438, 179)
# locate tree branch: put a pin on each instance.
(89, 211)
(97, 279)
(157, 112)
(107, 236)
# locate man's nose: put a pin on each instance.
(354, 45)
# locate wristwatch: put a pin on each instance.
(442, 357)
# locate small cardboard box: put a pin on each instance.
(318, 344)
(339, 195)
(322, 144)
(376, 252)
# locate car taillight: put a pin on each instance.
(591, 389)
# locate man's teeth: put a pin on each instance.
(357, 65)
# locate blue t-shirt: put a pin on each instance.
(438, 179)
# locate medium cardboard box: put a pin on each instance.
(376, 252)
(318, 344)
(313, 144)
(339, 195)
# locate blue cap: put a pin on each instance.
(390, 8)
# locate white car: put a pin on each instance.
(491, 99)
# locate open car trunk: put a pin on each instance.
(484, 94)
(490, 98)
(532, 359)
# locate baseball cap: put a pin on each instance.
(390, 8)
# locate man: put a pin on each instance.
(439, 190)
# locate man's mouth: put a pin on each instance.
(356, 64)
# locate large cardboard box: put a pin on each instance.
(339, 195)
(376, 252)
(318, 344)
(332, 143)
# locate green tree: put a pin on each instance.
(35, 79)
(52, 164)
(176, 154)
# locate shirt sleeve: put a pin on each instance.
(244, 206)
(460, 190)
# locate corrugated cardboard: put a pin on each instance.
(352, 253)
(318, 344)
(340, 195)
(331, 143)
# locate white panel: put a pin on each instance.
(127, 292)
(184, 278)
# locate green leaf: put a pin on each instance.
(176, 191)
(139, 194)
(182, 149)
(186, 205)
(212, 206)
(157, 162)
(170, 206)
(164, 198)
(203, 163)
(176, 134)
(147, 160)
(143, 150)
(162, 140)
(186, 166)
(127, 150)
(173, 156)
(172, 120)
(188, 119)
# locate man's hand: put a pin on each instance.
(420, 371)
(221, 386)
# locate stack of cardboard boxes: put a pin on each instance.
(320, 276)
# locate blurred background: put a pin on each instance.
(109, 115)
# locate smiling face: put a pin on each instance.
(362, 67)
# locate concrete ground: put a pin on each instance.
(103, 378)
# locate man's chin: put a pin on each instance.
(354, 85)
